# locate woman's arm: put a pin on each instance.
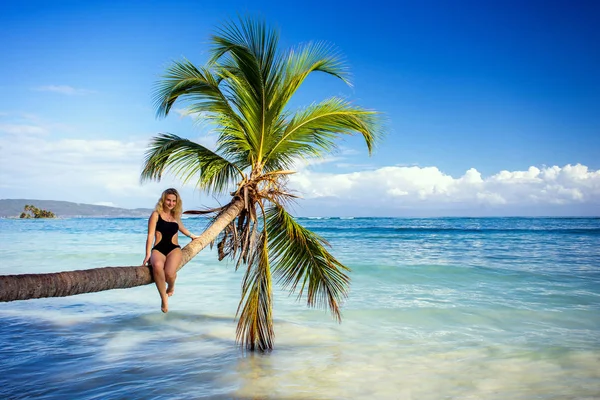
(184, 230)
(150, 238)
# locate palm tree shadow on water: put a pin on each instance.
(150, 355)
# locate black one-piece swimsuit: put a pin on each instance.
(167, 230)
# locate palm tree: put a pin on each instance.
(244, 90)
(31, 211)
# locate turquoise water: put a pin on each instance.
(445, 308)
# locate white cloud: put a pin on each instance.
(22, 129)
(63, 89)
(348, 151)
(427, 187)
(209, 141)
(105, 203)
(90, 171)
(107, 172)
(29, 124)
(183, 113)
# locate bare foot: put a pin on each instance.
(164, 306)
(170, 290)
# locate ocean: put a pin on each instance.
(440, 308)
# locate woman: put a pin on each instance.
(166, 254)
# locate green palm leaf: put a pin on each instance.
(186, 160)
(255, 325)
(300, 62)
(299, 257)
(184, 79)
(246, 53)
(314, 131)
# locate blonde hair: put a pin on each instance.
(177, 210)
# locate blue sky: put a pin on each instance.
(492, 107)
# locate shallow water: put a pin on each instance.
(492, 308)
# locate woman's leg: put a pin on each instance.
(171, 264)
(158, 273)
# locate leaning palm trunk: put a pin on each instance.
(69, 283)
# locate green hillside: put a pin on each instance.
(14, 207)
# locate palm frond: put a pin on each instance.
(253, 45)
(188, 160)
(244, 97)
(247, 54)
(302, 61)
(313, 131)
(212, 96)
(299, 257)
(255, 325)
(198, 85)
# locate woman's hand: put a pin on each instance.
(192, 236)
(146, 260)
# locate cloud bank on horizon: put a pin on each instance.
(414, 190)
(107, 172)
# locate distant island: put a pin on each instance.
(12, 208)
